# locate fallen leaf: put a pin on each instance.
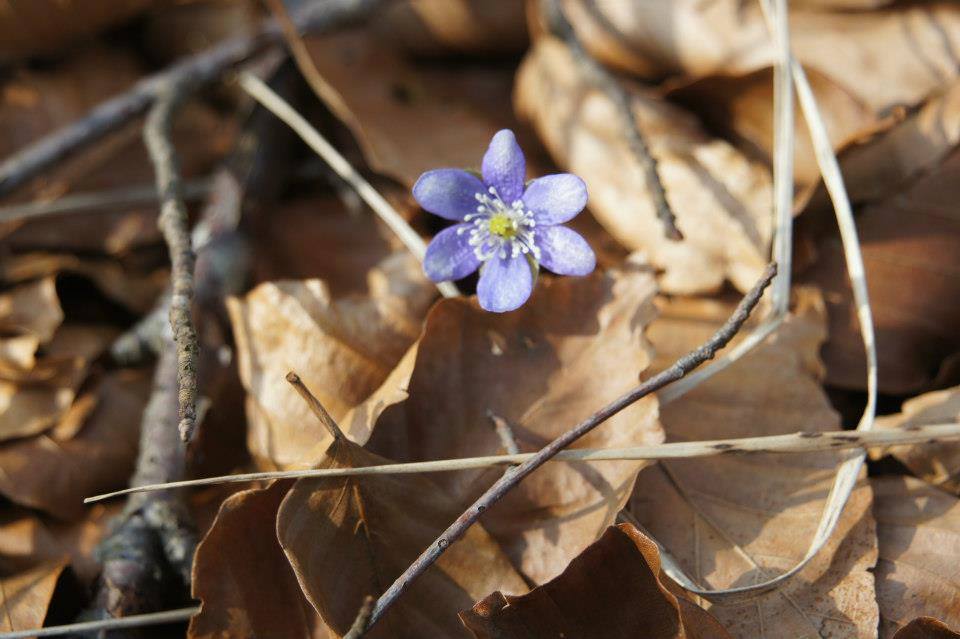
(54, 477)
(28, 540)
(611, 590)
(741, 107)
(435, 27)
(723, 519)
(26, 596)
(389, 104)
(937, 464)
(542, 371)
(31, 309)
(919, 531)
(926, 628)
(350, 537)
(343, 348)
(907, 240)
(720, 198)
(884, 57)
(242, 577)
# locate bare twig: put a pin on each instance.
(107, 200)
(512, 478)
(362, 621)
(315, 406)
(175, 225)
(504, 432)
(561, 27)
(197, 69)
(278, 106)
(132, 621)
(802, 442)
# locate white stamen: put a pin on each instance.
(487, 244)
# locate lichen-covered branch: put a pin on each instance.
(514, 476)
(175, 226)
(561, 27)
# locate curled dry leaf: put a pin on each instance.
(926, 628)
(919, 531)
(455, 26)
(242, 577)
(26, 596)
(908, 240)
(350, 537)
(344, 348)
(720, 198)
(612, 590)
(938, 464)
(541, 371)
(31, 309)
(723, 519)
(55, 476)
(884, 57)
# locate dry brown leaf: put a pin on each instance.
(919, 531)
(541, 371)
(31, 309)
(28, 540)
(885, 57)
(455, 26)
(739, 520)
(134, 289)
(18, 355)
(938, 464)
(926, 628)
(721, 200)
(909, 242)
(32, 401)
(54, 477)
(350, 537)
(410, 119)
(741, 107)
(344, 349)
(612, 590)
(242, 577)
(25, 596)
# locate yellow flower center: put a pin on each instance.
(502, 225)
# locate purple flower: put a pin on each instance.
(504, 229)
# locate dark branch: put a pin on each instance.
(562, 28)
(362, 622)
(197, 69)
(514, 476)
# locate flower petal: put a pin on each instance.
(505, 283)
(564, 251)
(555, 199)
(449, 193)
(504, 166)
(449, 256)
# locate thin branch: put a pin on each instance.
(132, 621)
(196, 69)
(315, 406)
(511, 479)
(608, 84)
(802, 442)
(504, 432)
(282, 109)
(99, 201)
(175, 225)
(362, 621)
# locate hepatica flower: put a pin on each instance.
(505, 229)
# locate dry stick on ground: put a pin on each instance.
(513, 477)
(316, 407)
(175, 226)
(362, 622)
(561, 27)
(802, 442)
(197, 69)
(132, 621)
